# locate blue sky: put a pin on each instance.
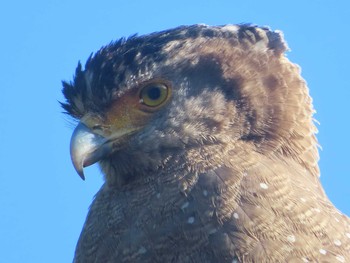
(43, 202)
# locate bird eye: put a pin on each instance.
(154, 95)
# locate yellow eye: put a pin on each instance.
(153, 95)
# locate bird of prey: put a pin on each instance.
(206, 140)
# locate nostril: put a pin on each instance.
(97, 127)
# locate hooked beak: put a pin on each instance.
(87, 148)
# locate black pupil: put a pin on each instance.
(153, 93)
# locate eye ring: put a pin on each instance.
(154, 94)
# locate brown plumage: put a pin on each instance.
(207, 143)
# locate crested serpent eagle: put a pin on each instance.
(206, 140)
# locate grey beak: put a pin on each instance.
(87, 148)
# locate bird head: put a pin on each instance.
(186, 98)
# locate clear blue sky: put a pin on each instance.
(43, 202)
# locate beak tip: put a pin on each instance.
(81, 174)
(80, 171)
